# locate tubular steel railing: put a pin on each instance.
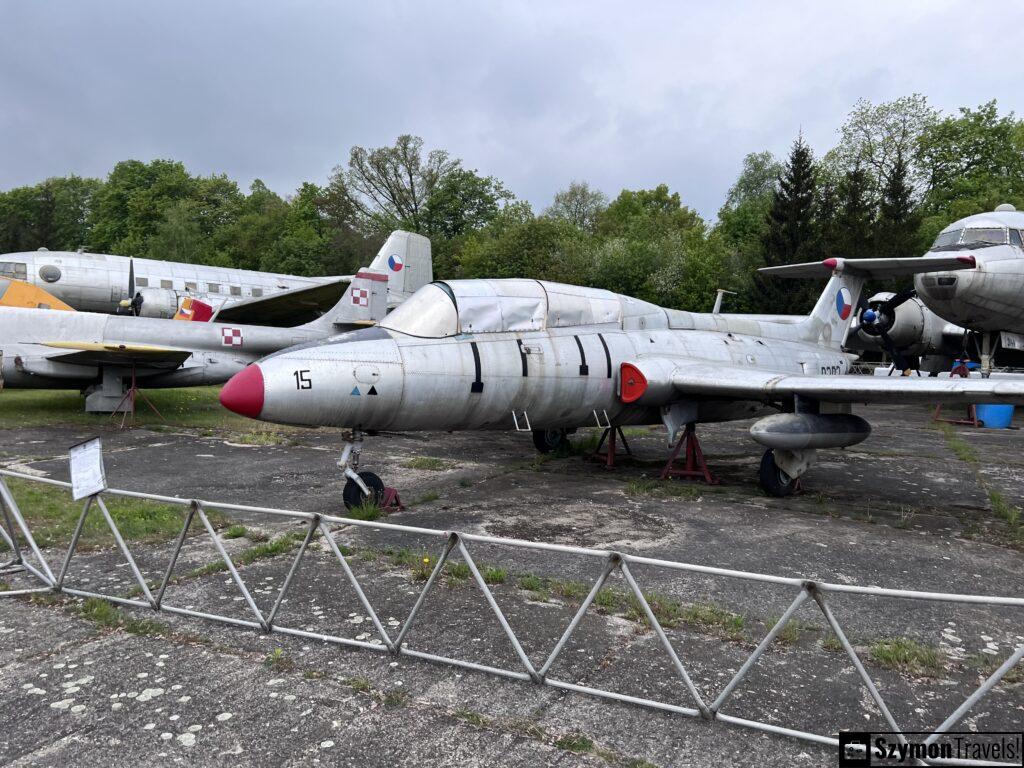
(454, 541)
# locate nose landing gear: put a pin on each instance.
(364, 487)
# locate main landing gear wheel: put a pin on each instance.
(353, 495)
(774, 481)
(548, 440)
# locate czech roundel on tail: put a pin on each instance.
(551, 358)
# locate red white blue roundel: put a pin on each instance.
(395, 263)
(844, 303)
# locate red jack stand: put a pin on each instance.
(131, 394)
(972, 412)
(696, 465)
(390, 501)
(609, 455)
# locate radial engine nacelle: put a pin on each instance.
(911, 327)
(801, 431)
(155, 302)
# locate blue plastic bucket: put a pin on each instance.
(995, 416)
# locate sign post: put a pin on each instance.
(87, 475)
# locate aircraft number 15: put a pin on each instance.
(302, 380)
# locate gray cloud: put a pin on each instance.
(538, 94)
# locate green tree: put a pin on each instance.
(578, 204)
(790, 236)
(855, 218)
(896, 230)
(645, 214)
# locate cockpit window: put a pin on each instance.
(984, 237)
(15, 269)
(1015, 238)
(429, 313)
(946, 239)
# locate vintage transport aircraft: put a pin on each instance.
(934, 318)
(545, 357)
(97, 282)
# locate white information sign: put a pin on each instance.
(87, 475)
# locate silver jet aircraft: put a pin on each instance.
(105, 354)
(545, 357)
(96, 282)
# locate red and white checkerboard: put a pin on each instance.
(361, 297)
(231, 337)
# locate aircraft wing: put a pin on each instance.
(113, 353)
(878, 268)
(661, 380)
(752, 384)
(287, 308)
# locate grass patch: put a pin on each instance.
(426, 498)
(494, 575)
(963, 450)
(367, 510)
(52, 515)
(609, 600)
(471, 717)
(575, 742)
(535, 585)
(907, 656)
(465, 482)
(261, 551)
(789, 635)
(108, 616)
(647, 486)
(456, 573)
(313, 674)
(191, 407)
(1004, 509)
(359, 684)
(262, 437)
(427, 462)
(574, 591)
(278, 659)
(986, 665)
(832, 644)
(397, 697)
(708, 616)
(641, 486)
(236, 531)
(666, 610)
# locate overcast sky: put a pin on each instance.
(618, 94)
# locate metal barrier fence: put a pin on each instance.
(453, 541)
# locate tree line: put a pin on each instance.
(899, 173)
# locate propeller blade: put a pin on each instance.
(899, 298)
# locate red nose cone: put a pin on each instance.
(243, 393)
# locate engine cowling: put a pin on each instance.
(158, 302)
(800, 431)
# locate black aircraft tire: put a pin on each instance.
(548, 440)
(353, 495)
(773, 480)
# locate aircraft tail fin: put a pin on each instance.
(829, 321)
(364, 303)
(405, 259)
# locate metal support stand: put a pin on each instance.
(130, 396)
(972, 412)
(696, 465)
(609, 454)
(390, 501)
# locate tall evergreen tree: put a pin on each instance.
(855, 220)
(789, 237)
(896, 232)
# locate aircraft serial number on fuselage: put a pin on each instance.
(832, 370)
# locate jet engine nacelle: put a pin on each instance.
(158, 302)
(800, 431)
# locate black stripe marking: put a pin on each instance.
(584, 368)
(607, 354)
(478, 384)
(522, 356)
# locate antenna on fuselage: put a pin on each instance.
(718, 299)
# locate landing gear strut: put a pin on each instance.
(549, 440)
(364, 487)
(773, 480)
